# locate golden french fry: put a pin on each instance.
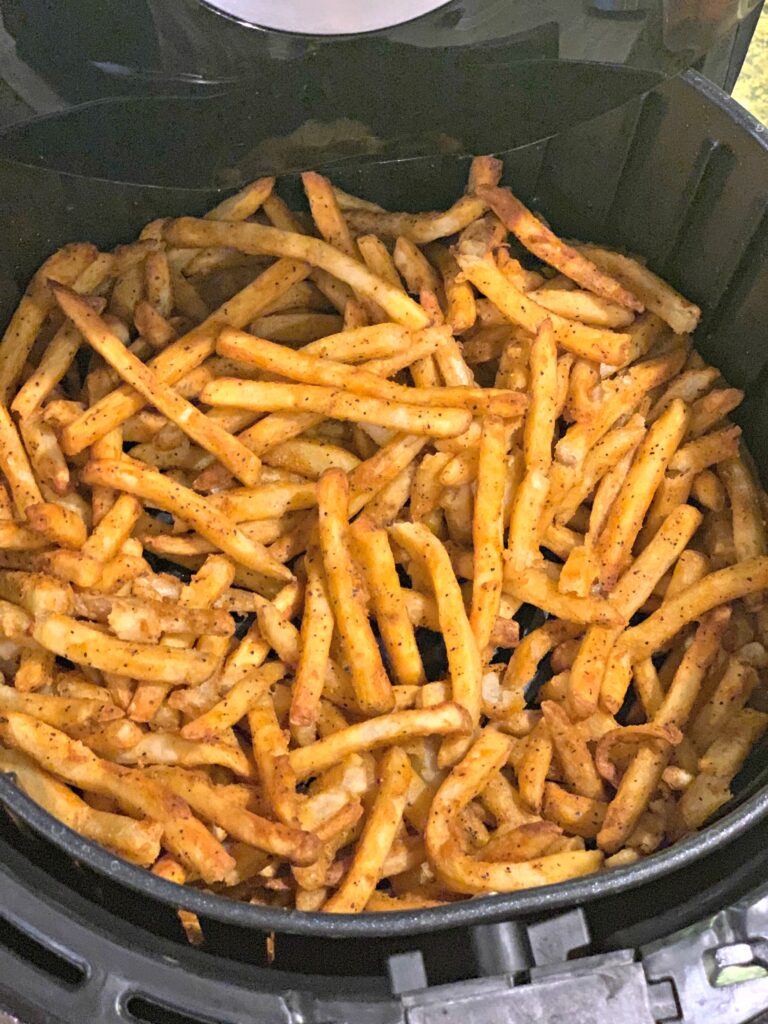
(462, 873)
(572, 812)
(200, 428)
(464, 660)
(385, 730)
(369, 861)
(534, 765)
(210, 803)
(572, 751)
(330, 373)
(378, 564)
(655, 294)
(137, 841)
(372, 687)
(543, 243)
(634, 498)
(535, 587)
(158, 490)
(64, 266)
(272, 397)
(140, 796)
(630, 594)
(184, 354)
(586, 308)
(87, 646)
(15, 466)
(488, 529)
(726, 754)
(720, 587)
(419, 228)
(316, 634)
(590, 342)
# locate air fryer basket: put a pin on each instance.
(679, 177)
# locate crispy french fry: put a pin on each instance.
(633, 500)
(137, 841)
(378, 564)
(464, 661)
(462, 873)
(200, 428)
(572, 751)
(183, 834)
(158, 490)
(590, 342)
(399, 726)
(372, 687)
(87, 646)
(655, 294)
(369, 862)
(543, 243)
(488, 529)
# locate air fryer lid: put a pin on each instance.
(300, 83)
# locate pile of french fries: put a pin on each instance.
(260, 468)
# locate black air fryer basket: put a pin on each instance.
(680, 177)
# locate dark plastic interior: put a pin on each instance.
(678, 177)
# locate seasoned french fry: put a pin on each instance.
(140, 796)
(372, 687)
(378, 564)
(633, 500)
(590, 342)
(153, 487)
(543, 243)
(369, 862)
(465, 874)
(399, 726)
(137, 841)
(87, 646)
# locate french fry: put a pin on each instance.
(686, 682)
(184, 354)
(194, 789)
(655, 294)
(326, 372)
(464, 660)
(372, 687)
(64, 266)
(15, 466)
(633, 500)
(271, 397)
(151, 486)
(543, 243)
(633, 795)
(572, 751)
(136, 841)
(396, 727)
(488, 529)
(462, 873)
(590, 342)
(533, 586)
(720, 587)
(200, 428)
(183, 835)
(728, 751)
(730, 695)
(316, 634)
(378, 564)
(84, 645)
(369, 862)
(572, 812)
(629, 595)
(259, 240)
(419, 228)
